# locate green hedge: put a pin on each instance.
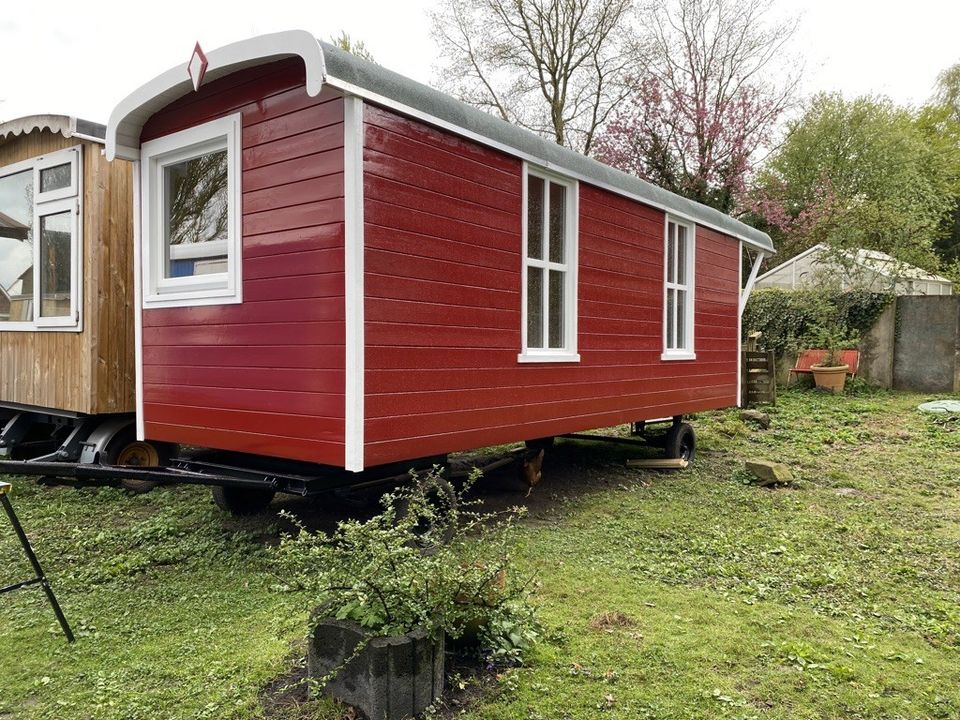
(788, 318)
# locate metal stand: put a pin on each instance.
(40, 578)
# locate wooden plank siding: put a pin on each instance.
(443, 295)
(90, 371)
(265, 376)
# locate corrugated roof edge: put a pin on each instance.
(373, 78)
(64, 124)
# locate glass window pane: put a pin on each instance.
(16, 247)
(556, 309)
(197, 211)
(671, 315)
(55, 264)
(671, 239)
(681, 319)
(55, 178)
(558, 216)
(535, 191)
(681, 255)
(534, 307)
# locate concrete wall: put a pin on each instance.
(914, 345)
(926, 354)
(877, 349)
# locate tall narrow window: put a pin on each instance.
(679, 255)
(549, 269)
(192, 245)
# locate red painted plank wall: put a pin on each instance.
(265, 376)
(442, 313)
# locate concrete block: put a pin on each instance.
(392, 678)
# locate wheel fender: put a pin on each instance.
(101, 437)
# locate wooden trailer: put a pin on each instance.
(66, 289)
(338, 265)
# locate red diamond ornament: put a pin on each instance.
(197, 67)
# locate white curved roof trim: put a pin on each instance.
(64, 124)
(129, 116)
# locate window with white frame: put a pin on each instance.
(678, 286)
(549, 322)
(191, 244)
(40, 243)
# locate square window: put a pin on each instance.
(192, 239)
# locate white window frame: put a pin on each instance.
(213, 289)
(49, 161)
(46, 209)
(568, 353)
(688, 351)
(51, 203)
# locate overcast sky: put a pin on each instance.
(81, 58)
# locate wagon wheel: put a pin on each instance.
(681, 442)
(126, 450)
(242, 501)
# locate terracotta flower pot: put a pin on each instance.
(830, 378)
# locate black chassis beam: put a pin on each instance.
(189, 471)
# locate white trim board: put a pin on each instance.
(137, 303)
(353, 141)
(739, 344)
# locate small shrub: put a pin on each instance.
(430, 559)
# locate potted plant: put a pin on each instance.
(831, 373)
(390, 590)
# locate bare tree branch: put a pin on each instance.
(557, 67)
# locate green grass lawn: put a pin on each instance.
(837, 598)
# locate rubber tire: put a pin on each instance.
(544, 443)
(681, 442)
(241, 501)
(116, 446)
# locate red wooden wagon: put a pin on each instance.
(340, 266)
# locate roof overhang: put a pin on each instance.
(355, 76)
(65, 125)
(129, 116)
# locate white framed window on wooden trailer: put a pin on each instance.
(41, 243)
(548, 325)
(191, 242)
(679, 264)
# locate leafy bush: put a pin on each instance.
(791, 319)
(431, 559)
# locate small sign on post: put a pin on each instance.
(39, 579)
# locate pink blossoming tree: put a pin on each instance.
(703, 108)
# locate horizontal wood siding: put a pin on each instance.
(89, 371)
(442, 310)
(265, 376)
